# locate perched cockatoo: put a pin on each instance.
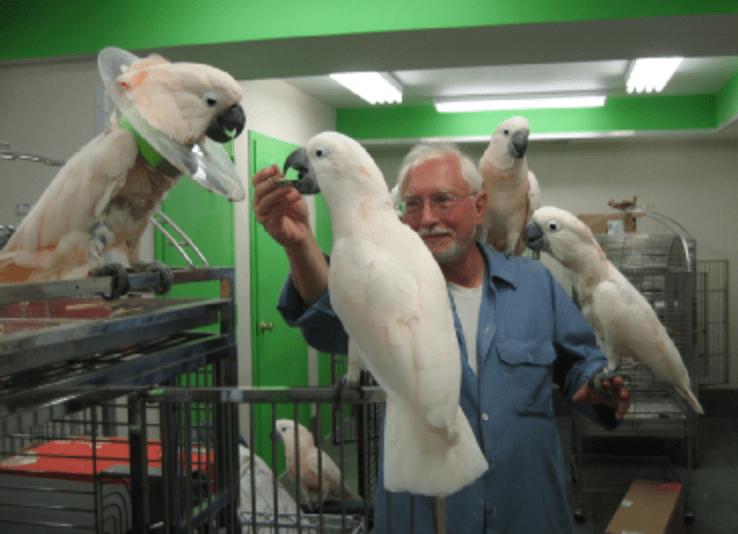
(623, 321)
(308, 457)
(103, 196)
(391, 297)
(504, 169)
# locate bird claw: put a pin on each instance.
(120, 283)
(345, 382)
(595, 382)
(166, 278)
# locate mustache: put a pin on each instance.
(425, 232)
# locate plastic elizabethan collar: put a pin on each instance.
(208, 164)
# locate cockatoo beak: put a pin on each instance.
(306, 182)
(534, 238)
(227, 125)
(519, 145)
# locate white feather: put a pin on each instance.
(391, 296)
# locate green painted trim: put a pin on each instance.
(32, 29)
(641, 113)
(727, 101)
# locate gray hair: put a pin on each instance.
(469, 170)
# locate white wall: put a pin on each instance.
(694, 182)
(277, 109)
(46, 109)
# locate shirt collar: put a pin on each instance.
(499, 266)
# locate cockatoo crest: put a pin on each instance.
(196, 92)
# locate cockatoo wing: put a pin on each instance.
(633, 329)
(534, 193)
(54, 236)
(391, 308)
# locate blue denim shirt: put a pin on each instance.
(530, 336)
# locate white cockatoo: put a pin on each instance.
(327, 472)
(103, 196)
(391, 297)
(624, 322)
(504, 169)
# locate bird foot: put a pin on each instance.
(166, 278)
(346, 382)
(120, 283)
(596, 380)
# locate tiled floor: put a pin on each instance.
(713, 495)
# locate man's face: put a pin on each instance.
(441, 208)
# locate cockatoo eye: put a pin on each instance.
(319, 152)
(211, 99)
(553, 226)
(506, 132)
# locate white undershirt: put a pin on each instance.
(468, 301)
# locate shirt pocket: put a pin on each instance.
(527, 369)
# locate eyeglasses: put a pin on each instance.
(440, 203)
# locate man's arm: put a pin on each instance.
(283, 213)
(578, 359)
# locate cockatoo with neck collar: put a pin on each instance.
(623, 321)
(392, 299)
(103, 196)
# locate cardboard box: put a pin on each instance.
(650, 508)
(609, 223)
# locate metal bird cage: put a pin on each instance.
(77, 451)
(662, 267)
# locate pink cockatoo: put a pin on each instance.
(391, 297)
(624, 322)
(329, 474)
(504, 169)
(103, 196)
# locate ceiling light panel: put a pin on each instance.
(518, 102)
(374, 87)
(648, 75)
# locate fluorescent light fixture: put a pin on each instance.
(374, 87)
(651, 74)
(490, 103)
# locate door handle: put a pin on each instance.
(265, 326)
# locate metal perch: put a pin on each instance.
(179, 246)
(9, 156)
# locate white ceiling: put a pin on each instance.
(695, 76)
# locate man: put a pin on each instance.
(518, 331)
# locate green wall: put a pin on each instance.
(644, 113)
(30, 28)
